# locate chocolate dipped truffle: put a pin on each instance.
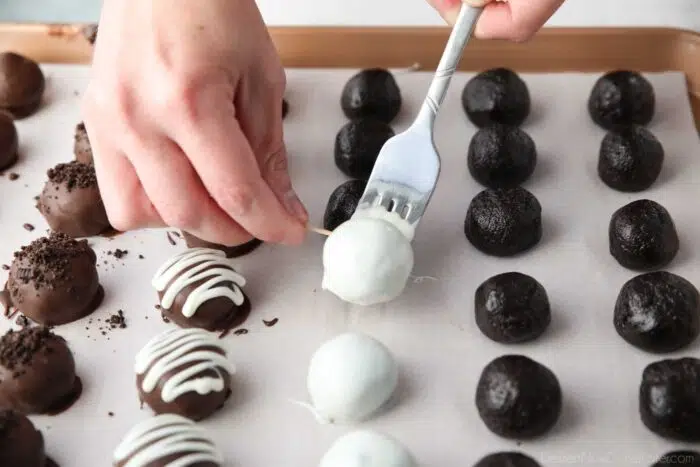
(54, 281)
(184, 372)
(357, 146)
(496, 96)
(21, 444)
(507, 459)
(669, 398)
(371, 93)
(687, 458)
(22, 85)
(81, 145)
(71, 202)
(200, 288)
(37, 372)
(230, 251)
(504, 222)
(630, 158)
(658, 312)
(512, 307)
(518, 398)
(9, 141)
(643, 236)
(501, 156)
(166, 440)
(342, 203)
(621, 98)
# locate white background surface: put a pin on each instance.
(430, 329)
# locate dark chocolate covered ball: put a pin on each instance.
(9, 141)
(504, 222)
(630, 158)
(669, 398)
(621, 98)
(21, 444)
(643, 236)
(285, 108)
(518, 398)
(512, 307)
(507, 459)
(54, 281)
(686, 458)
(81, 145)
(231, 251)
(22, 85)
(71, 202)
(496, 96)
(501, 156)
(658, 312)
(37, 372)
(342, 203)
(357, 146)
(371, 93)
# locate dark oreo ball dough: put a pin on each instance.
(71, 202)
(22, 85)
(621, 98)
(512, 307)
(686, 458)
(81, 145)
(9, 141)
(371, 93)
(496, 96)
(342, 203)
(501, 156)
(504, 222)
(231, 251)
(357, 146)
(643, 236)
(518, 398)
(630, 158)
(21, 444)
(507, 459)
(37, 372)
(54, 281)
(658, 312)
(669, 398)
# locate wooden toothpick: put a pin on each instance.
(318, 230)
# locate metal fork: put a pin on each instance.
(408, 165)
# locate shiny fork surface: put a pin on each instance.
(408, 165)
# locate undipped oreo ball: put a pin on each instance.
(71, 202)
(496, 96)
(37, 372)
(371, 93)
(621, 98)
(643, 236)
(512, 307)
(630, 158)
(9, 141)
(507, 459)
(81, 145)
(357, 146)
(54, 281)
(342, 203)
(501, 156)
(504, 222)
(21, 444)
(669, 398)
(518, 398)
(234, 251)
(687, 458)
(658, 312)
(22, 84)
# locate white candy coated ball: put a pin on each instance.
(367, 449)
(350, 377)
(366, 261)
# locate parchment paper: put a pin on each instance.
(430, 329)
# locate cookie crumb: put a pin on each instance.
(270, 323)
(240, 332)
(28, 227)
(13, 176)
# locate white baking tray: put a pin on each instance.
(430, 329)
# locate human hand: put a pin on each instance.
(184, 114)
(515, 20)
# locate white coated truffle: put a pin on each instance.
(367, 260)
(366, 448)
(350, 377)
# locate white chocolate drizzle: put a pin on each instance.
(167, 435)
(191, 351)
(219, 277)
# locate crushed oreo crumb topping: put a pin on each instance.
(18, 348)
(74, 174)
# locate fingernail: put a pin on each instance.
(295, 207)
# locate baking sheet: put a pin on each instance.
(430, 329)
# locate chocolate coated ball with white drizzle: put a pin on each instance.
(200, 288)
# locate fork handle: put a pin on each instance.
(454, 48)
